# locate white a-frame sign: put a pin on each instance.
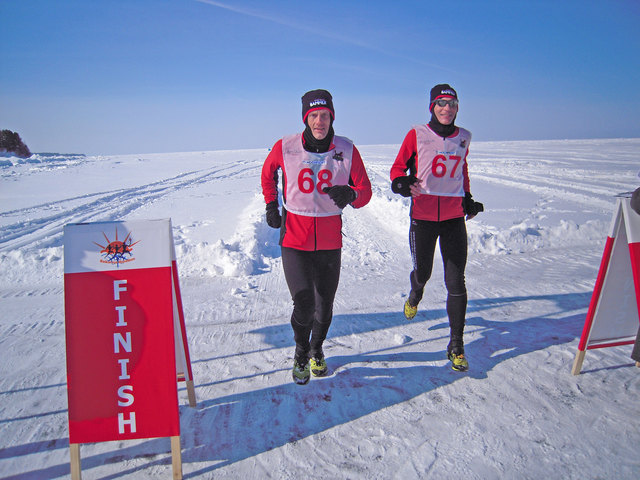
(612, 318)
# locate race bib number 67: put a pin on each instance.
(443, 165)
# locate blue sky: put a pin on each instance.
(143, 76)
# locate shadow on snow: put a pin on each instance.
(232, 428)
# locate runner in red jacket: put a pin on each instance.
(322, 173)
(435, 157)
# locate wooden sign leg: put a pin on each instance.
(176, 458)
(577, 363)
(76, 472)
(191, 392)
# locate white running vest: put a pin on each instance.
(441, 161)
(308, 173)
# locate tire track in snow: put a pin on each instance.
(103, 206)
(598, 196)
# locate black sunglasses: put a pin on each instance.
(441, 102)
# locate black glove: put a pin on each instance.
(342, 195)
(274, 220)
(471, 207)
(401, 185)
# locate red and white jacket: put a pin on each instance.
(313, 230)
(441, 167)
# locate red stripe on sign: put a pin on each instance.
(183, 328)
(634, 252)
(611, 344)
(597, 290)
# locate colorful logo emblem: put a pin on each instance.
(116, 252)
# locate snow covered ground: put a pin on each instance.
(392, 407)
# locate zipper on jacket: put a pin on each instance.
(444, 142)
(315, 233)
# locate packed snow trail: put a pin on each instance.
(392, 407)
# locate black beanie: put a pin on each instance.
(315, 100)
(439, 91)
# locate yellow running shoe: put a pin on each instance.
(409, 310)
(458, 362)
(318, 367)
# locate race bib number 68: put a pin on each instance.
(306, 180)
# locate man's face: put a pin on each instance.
(319, 122)
(448, 112)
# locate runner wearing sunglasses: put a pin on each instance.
(431, 168)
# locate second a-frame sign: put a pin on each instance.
(612, 319)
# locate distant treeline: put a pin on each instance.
(11, 142)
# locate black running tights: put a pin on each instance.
(313, 279)
(453, 248)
